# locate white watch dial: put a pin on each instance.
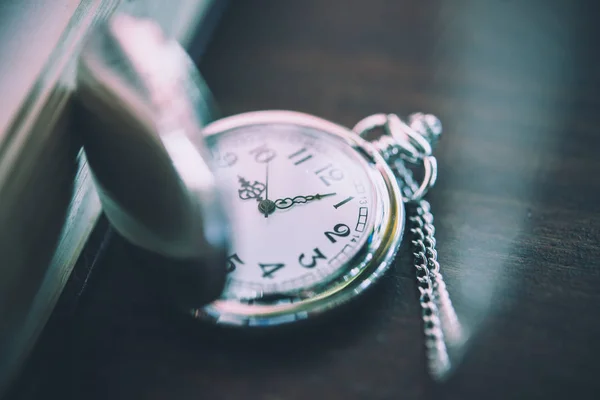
(303, 207)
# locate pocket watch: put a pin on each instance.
(317, 214)
(306, 214)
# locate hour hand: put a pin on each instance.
(288, 202)
(250, 190)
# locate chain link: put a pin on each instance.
(450, 323)
(435, 344)
(440, 322)
(439, 317)
(413, 143)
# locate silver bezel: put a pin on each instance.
(360, 272)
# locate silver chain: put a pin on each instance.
(440, 322)
(437, 353)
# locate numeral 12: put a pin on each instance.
(329, 173)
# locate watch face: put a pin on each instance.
(303, 207)
(316, 216)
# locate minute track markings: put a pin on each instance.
(361, 223)
(342, 253)
(359, 187)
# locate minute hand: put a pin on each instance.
(287, 202)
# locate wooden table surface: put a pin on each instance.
(517, 207)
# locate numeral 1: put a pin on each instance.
(341, 203)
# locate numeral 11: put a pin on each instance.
(300, 156)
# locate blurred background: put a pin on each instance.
(517, 208)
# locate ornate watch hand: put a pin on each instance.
(250, 190)
(287, 202)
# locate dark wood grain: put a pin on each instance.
(517, 209)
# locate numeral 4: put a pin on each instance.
(269, 269)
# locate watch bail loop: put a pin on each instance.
(404, 143)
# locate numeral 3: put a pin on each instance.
(313, 262)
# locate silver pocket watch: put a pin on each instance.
(317, 213)
(305, 213)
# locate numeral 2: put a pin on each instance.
(269, 269)
(313, 263)
(341, 230)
